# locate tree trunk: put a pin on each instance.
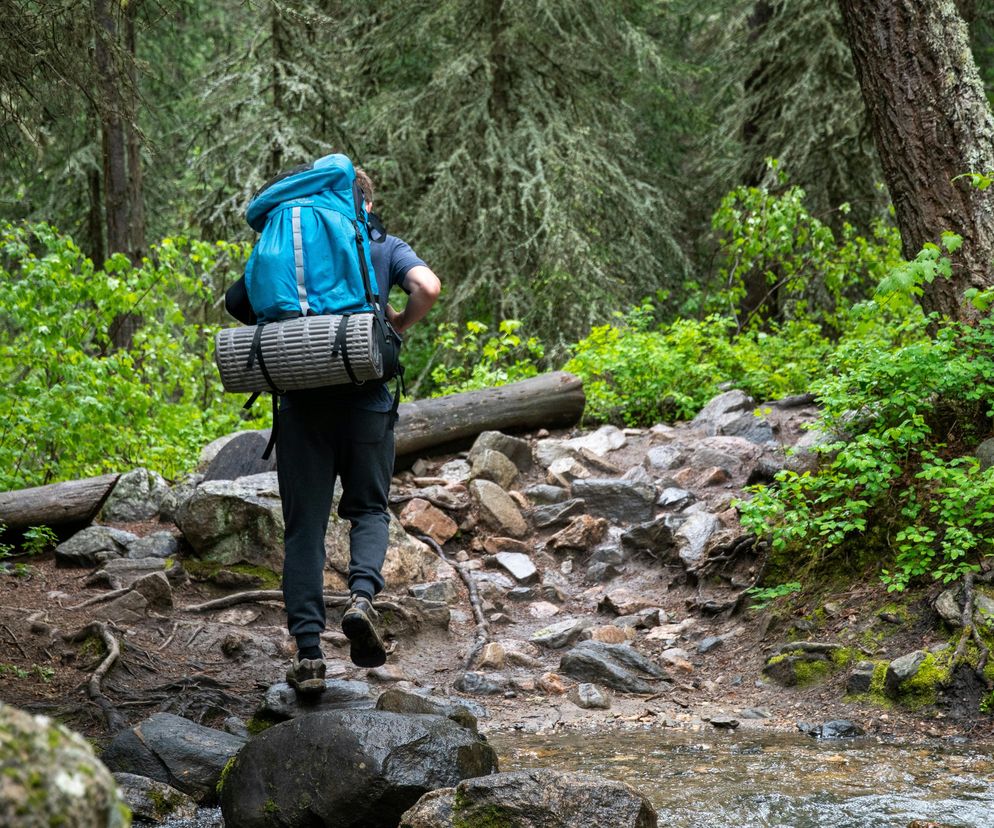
(136, 194)
(547, 401)
(58, 504)
(931, 123)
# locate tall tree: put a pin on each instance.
(932, 124)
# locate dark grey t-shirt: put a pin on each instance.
(392, 259)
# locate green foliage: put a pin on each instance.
(640, 377)
(74, 406)
(807, 270)
(897, 481)
(478, 358)
(39, 539)
(762, 597)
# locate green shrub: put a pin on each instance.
(73, 404)
(480, 358)
(898, 483)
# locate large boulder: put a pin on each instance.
(536, 798)
(241, 456)
(153, 801)
(732, 414)
(348, 769)
(617, 666)
(50, 776)
(136, 496)
(618, 500)
(94, 545)
(514, 448)
(176, 751)
(282, 702)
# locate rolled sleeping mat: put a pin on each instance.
(298, 353)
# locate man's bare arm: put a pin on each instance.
(424, 288)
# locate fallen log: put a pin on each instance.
(553, 400)
(57, 504)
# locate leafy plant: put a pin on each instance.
(762, 597)
(479, 358)
(38, 539)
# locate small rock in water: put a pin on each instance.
(724, 722)
(589, 697)
(835, 729)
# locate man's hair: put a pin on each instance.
(365, 183)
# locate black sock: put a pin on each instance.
(310, 652)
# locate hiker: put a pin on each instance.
(340, 431)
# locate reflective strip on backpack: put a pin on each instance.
(298, 260)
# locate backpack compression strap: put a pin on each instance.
(256, 353)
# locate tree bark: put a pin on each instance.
(57, 504)
(547, 401)
(931, 123)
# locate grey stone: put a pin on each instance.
(654, 537)
(521, 594)
(802, 456)
(497, 508)
(901, 670)
(282, 702)
(644, 619)
(176, 751)
(606, 439)
(121, 572)
(241, 456)
(51, 777)
(93, 545)
(444, 591)
(589, 697)
(612, 665)
(609, 554)
(948, 608)
(236, 727)
(673, 497)
(549, 450)
(455, 471)
(518, 451)
(835, 729)
(983, 611)
(177, 496)
(536, 798)
(724, 722)
(706, 645)
(620, 501)
(461, 711)
(601, 572)
(154, 801)
(210, 451)
(706, 457)
(155, 589)
(136, 496)
(129, 608)
(861, 678)
(638, 474)
(561, 634)
(755, 713)
(544, 494)
(519, 566)
(156, 545)
(693, 535)
(350, 769)
(556, 514)
(663, 458)
(488, 464)
(985, 453)
(731, 414)
(482, 684)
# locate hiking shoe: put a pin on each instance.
(367, 648)
(306, 675)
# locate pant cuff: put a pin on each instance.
(363, 585)
(308, 640)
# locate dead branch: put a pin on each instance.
(99, 599)
(115, 721)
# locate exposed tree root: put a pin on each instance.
(99, 599)
(331, 599)
(115, 721)
(482, 628)
(970, 631)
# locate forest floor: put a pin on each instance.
(209, 666)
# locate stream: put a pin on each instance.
(718, 780)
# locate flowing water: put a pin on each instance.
(715, 780)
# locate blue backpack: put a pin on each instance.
(313, 254)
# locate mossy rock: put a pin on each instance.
(800, 669)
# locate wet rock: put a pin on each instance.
(836, 729)
(533, 799)
(176, 751)
(732, 414)
(352, 769)
(518, 451)
(674, 498)
(464, 713)
(861, 678)
(497, 509)
(711, 642)
(50, 776)
(488, 464)
(444, 591)
(482, 684)
(156, 545)
(612, 665)
(418, 515)
(623, 501)
(153, 801)
(93, 545)
(581, 534)
(544, 494)
(693, 535)
(654, 537)
(561, 634)
(589, 697)
(282, 702)
(661, 459)
(557, 514)
(901, 670)
(136, 496)
(519, 566)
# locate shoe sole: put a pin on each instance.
(308, 687)
(366, 648)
